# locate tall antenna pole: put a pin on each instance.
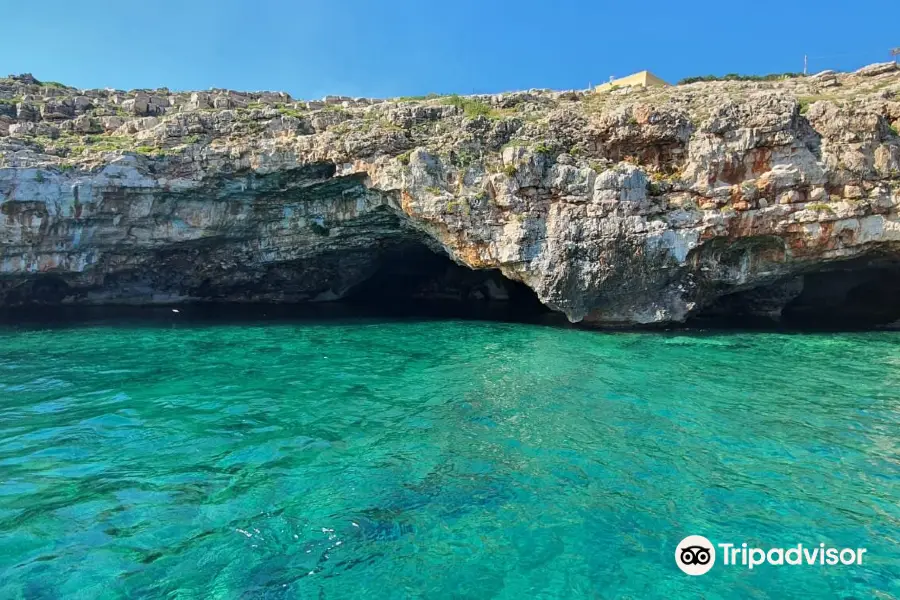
(805, 63)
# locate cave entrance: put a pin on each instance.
(863, 298)
(413, 280)
(860, 294)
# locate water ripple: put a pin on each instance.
(439, 459)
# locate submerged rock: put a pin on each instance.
(615, 209)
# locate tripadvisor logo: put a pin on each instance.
(696, 555)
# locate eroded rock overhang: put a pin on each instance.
(637, 208)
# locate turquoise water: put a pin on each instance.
(442, 459)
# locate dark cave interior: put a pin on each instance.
(855, 295)
(411, 280)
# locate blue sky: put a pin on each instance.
(386, 48)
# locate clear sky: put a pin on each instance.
(382, 48)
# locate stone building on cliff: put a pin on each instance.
(640, 79)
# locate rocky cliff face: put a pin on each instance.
(632, 206)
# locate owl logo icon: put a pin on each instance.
(695, 555)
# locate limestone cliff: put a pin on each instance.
(629, 206)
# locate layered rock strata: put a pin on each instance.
(632, 206)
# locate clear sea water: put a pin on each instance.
(440, 459)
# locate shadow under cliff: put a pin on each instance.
(408, 281)
(856, 295)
